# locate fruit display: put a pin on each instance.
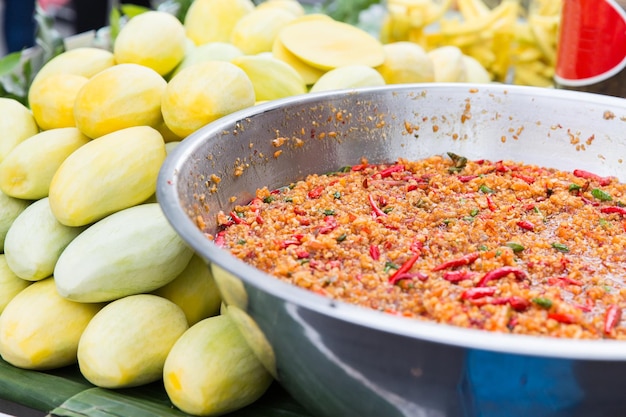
(514, 40)
(91, 273)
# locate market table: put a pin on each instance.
(64, 392)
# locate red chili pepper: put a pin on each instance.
(457, 276)
(500, 167)
(331, 224)
(528, 207)
(612, 318)
(526, 178)
(302, 254)
(563, 318)
(466, 178)
(376, 211)
(374, 252)
(501, 273)
(404, 268)
(475, 293)
(220, 239)
(614, 209)
(453, 263)
(411, 187)
(587, 307)
(289, 242)
(316, 192)
(564, 281)
(388, 171)
(517, 303)
(591, 176)
(526, 225)
(409, 275)
(490, 204)
(359, 167)
(236, 218)
(587, 201)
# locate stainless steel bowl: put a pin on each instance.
(343, 360)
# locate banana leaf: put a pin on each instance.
(66, 393)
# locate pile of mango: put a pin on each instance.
(514, 40)
(91, 272)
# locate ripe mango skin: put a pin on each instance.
(211, 370)
(194, 290)
(16, 124)
(40, 330)
(111, 173)
(126, 343)
(10, 284)
(119, 97)
(26, 172)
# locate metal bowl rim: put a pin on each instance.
(410, 328)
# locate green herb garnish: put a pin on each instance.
(459, 162)
(516, 247)
(560, 247)
(389, 266)
(601, 195)
(542, 302)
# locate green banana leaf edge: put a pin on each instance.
(66, 393)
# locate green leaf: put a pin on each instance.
(601, 195)
(516, 247)
(10, 63)
(542, 302)
(560, 247)
(343, 10)
(574, 187)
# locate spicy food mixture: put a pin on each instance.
(500, 246)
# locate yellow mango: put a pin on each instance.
(271, 77)
(85, 61)
(406, 62)
(474, 71)
(41, 330)
(194, 290)
(212, 51)
(255, 32)
(10, 284)
(16, 124)
(308, 73)
(130, 252)
(213, 20)
(35, 241)
(127, 342)
(292, 6)
(350, 76)
(328, 44)
(10, 208)
(122, 96)
(52, 100)
(448, 63)
(155, 39)
(203, 93)
(211, 370)
(116, 171)
(27, 170)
